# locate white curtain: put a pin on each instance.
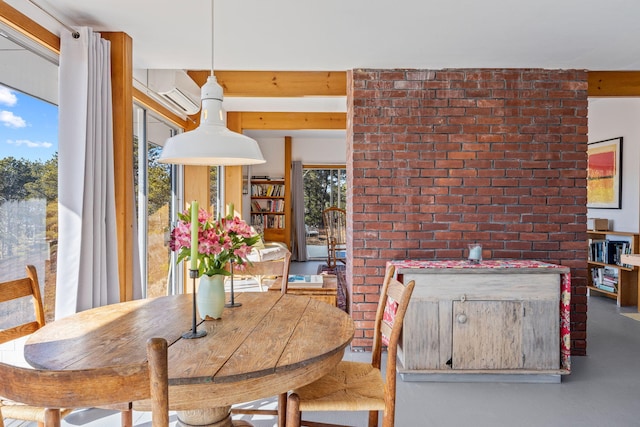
(87, 247)
(299, 234)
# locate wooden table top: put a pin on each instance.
(269, 345)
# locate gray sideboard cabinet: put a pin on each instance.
(496, 321)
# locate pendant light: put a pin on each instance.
(211, 143)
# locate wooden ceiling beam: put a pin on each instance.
(272, 84)
(293, 121)
(613, 83)
(25, 25)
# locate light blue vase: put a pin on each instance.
(210, 298)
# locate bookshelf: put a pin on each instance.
(268, 208)
(608, 274)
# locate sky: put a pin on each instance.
(28, 126)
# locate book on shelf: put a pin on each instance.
(267, 190)
(274, 221)
(267, 206)
(608, 251)
(605, 278)
(614, 249)
(607, 288)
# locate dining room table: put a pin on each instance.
(269, 345)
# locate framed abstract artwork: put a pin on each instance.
(604, 174)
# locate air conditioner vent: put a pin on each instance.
(181, 101)
(177, 88)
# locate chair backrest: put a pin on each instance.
(394, 300)
(335, 223)
(278, 268)
(93, 387)
(19, 288)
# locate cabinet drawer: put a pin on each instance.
(490, 286)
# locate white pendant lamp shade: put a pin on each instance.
(211, 143)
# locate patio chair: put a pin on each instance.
(335, 223)
(92, 387)
(358, 386)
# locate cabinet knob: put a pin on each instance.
(462, 318)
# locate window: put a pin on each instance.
(157, 202)
(28, 163)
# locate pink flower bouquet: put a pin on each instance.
(228, 239)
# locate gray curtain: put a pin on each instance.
(298, 233)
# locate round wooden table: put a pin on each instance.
(267, 346)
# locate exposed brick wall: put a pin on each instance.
(438, 159)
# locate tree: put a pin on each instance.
(45, 184)
(15, 174)
(323, 188)
(159, 180)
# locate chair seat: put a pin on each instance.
(350, 386)
(18, 411)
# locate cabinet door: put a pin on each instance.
(421, 339)
(540, 332)
(487, 335)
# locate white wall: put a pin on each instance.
(308, 150)
(611, 118)
(273, 152)
(326, 151)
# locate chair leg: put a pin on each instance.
(373, 418)
(282, 410)
(52, 417)
(126, 418)
(293, 410)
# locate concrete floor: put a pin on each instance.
(603, 389)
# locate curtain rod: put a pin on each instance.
(74, 33)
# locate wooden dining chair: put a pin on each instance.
(358, 386)
(13, 295)
(335, 224)
(28, 289)
(277, 270)
(92, 387)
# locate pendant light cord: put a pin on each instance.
(212, 38)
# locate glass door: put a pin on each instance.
(323, 187)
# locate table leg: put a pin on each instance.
(210, 417)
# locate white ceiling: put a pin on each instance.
(345, 34)
(300, 35)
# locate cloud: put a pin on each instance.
(10, 120)
(30, 144)
(7, 97)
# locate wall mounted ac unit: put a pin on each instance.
(176, 88)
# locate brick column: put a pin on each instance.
(442, 158)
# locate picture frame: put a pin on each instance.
(604, 174)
